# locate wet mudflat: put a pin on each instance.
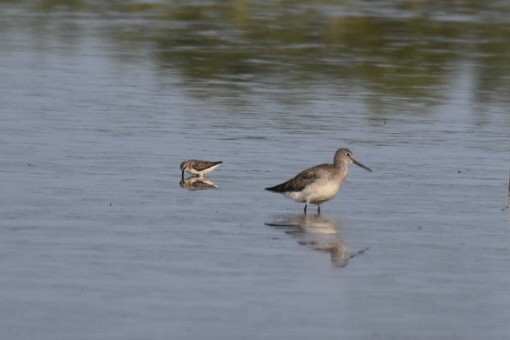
(99, 238)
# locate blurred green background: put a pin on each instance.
(398, 52)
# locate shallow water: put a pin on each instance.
(98, 239)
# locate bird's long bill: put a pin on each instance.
(361, 165)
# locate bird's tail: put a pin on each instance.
(277, 188)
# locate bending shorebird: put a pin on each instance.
(320, 183)
(199, 168)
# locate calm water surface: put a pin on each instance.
(98, 239)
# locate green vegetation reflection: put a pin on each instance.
(404, 51)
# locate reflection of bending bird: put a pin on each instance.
(197, 183)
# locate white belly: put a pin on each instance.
(203, 172)
(316, 193)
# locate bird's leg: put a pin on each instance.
(305, 208)
(318, 209)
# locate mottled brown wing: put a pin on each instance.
(202, 165)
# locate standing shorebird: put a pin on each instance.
(199, 168)
(320, 183)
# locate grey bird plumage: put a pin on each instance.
(320, 183)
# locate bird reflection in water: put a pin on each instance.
(318, 233)
(197, 183)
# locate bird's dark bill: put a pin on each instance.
(361, 165)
